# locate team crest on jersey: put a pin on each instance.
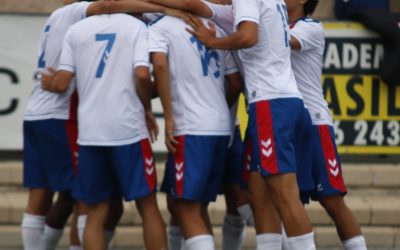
(209, 58)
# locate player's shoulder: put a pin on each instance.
(68, 9)
(309, 24)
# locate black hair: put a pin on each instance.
(310, 6)
(88, 1)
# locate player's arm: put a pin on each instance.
(294, 43)
(57, 82)
(246, 36)
(235, 87)
(196, 7)
(144, 90)
(161, 76)
(127, 6)
(143, 86)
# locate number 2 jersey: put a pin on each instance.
(103, 52)
(267, 67)
(196, 78)
(307, 68)
(43, 104)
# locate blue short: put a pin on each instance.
(326, 167)
(272, 134)
(106, 171)
(50, 154)
(195, 171)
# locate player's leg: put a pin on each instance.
(116, 210)
(75, 243)
(94, 237)
(40, 196)
(153, 225)
(95, 186)
(233, 225)
(136, 172)
(346, 224)
(331, 188)
(267, 220)
(60, 162)
(198, 162)
(56, 219)
(33, 221)
(82, 218)
(272, 134)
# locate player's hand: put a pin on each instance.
(170, 141)
(199, 30)
(152, 126)
(175, 13)
(47, 78)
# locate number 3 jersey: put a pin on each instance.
(103, 52)
(267, 68)
(43, 104)
(307, 68)
(196, 78)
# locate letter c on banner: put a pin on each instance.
(14, 101)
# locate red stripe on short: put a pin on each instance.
(149, 164)
(331, 162)
(72, 135)
(179, 162)
(266, 142)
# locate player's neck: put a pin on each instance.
(295, 15)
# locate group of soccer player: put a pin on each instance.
(202, 56)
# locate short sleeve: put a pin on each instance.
(230, 64)
(67, 54)
(140, 51)
(222, 15)
(246, 10)
(78, 11)
(310, 34)
(157, 41)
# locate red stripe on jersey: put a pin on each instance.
(73, 106)
(331, 162)
(179, 162)
(71, 127)
(266, 142)
(247, 160)
(149, 164)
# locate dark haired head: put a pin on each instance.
(310, 6)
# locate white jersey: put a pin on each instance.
(43, 104)
(103, 52)
(307, 68)
(266, 65)
(222, 15)
(196, 78)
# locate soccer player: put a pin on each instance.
(263, 38)
(108, 56)
(50, 148)
(197, 122)
(308, 44)
(238, 209)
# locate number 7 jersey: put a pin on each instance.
(103, 52)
